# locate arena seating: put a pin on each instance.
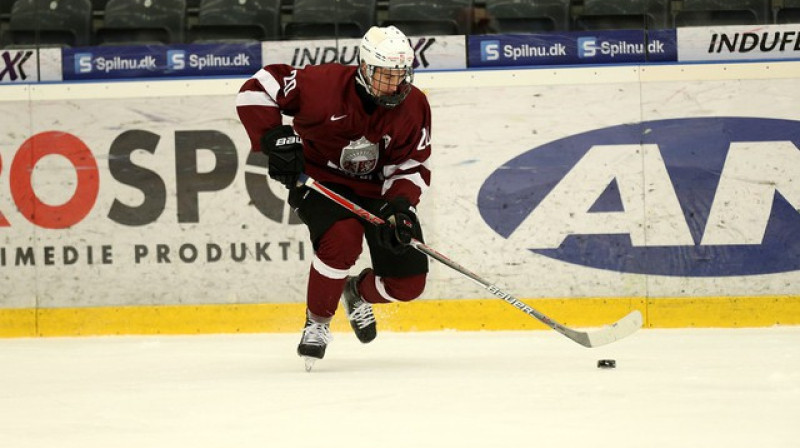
(529, 16)
(142, 22)
(623, 14)
(722, 12)
(49, 23)
(316, 19)
(5, 8)
(421, 17)
(789, 12)
(236, 21)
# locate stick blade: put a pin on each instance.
(610, 333)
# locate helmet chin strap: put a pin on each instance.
(363, 90)
(361, 78)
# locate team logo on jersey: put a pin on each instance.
(702, 197)
(360, 157)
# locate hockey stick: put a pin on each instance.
(605, 335)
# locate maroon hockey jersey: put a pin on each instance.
(380, 154)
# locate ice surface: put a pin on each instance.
(671, 388)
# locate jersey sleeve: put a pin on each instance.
(407, 172)
(264, 97)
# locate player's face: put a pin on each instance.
(386, 80)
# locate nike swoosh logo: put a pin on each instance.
(337, 117)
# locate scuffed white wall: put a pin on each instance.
(481, 120)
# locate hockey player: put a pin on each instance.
(363, 131)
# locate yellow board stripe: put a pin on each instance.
(423, 315)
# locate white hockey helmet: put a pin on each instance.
(386, 47)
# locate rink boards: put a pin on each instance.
(136, 207)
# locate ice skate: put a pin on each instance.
(359, 311)
(316, 336)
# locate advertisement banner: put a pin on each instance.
(432, 52)
(747, 225)
(740, 42)
(142, 201)
(571, 48)
(630, 188)
(30, 65)
(150, 61)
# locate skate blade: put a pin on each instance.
(309, 361)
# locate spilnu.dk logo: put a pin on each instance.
(490, 50)
(83, 62)
(696, 197)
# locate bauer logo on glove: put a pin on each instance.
(285, 152)
(288, 140)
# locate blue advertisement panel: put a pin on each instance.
(572, 48)
(152, 61)
(700, 160)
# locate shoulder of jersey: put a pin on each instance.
(417, 96)
(331, 69)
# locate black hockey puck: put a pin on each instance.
(606, 364)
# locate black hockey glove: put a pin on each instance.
(285, 152)
(400, 226)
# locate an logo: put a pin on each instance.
(688, 197)
(337, 117)
(14, 65)
(490, 50)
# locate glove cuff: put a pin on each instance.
(397, 205)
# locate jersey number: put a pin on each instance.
(424, 141)
(289, 83)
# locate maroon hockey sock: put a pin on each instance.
(323, 293)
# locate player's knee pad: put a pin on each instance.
(340, 246)
(405, 289)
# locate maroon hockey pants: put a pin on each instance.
(338, 249)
